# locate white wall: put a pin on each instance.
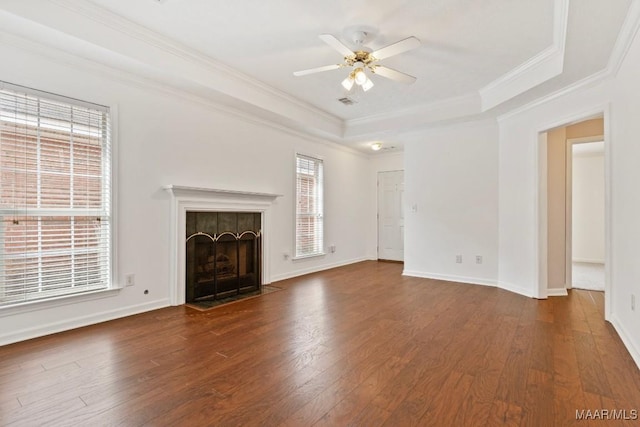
(588, 206)
(451, 177)
(519, 267)
(475, 188)
(556, 195)
(625, 199)
(619, 99)
(166, 139)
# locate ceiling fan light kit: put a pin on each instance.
(368, 84)
(364, 59)
(348, 82)
(359, 76)
(376, 146)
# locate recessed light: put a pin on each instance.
(376, 146)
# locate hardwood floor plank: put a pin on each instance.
(366, 363)
(513, 379)
(55, 411)
(616, 365)
(538, 409)
(359, 345)
(448, 401)
(504, 414)
(84, 381)
(575, 313)
(567, 387)
(373, 416)
(9, 404)
(594, 379)
(349, 408)
(477, 407)
(542, 348)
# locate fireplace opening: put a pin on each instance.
(223, 254)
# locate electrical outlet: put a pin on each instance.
(633, 302)
(285, 256)
(478, 259)
(458, 259)
(130, 279)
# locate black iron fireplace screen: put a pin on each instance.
(222, 264)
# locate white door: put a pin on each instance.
(390, 216)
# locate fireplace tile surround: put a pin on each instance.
(198, 199)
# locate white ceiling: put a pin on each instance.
(477, 58)
(464, 46)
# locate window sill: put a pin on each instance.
(36, 305)
(299, 258)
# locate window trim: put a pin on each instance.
(115, 285)
(322, 253)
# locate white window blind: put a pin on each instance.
(55, 214)
(309, 206)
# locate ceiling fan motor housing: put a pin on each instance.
(360, 35)
(359, 57)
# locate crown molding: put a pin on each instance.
(625, 38)
(123, 76)
(166, 55)
(137, 44)
(145, 35)
(173, 68)
(544, 66)
(588, 81)
(626, 35)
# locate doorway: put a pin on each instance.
(391, 216)
(555, 204)
(586, 201)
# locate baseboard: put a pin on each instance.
(557, 292)
(588, 260)
(515, 289)
(78, 322)
(626, 340)
(315, 269)
(448, 278)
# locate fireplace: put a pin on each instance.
(186, 199)
(223, 254)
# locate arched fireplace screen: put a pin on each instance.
(223, 254)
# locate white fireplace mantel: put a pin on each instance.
(185, 191)
(184, 199)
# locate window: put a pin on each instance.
(309, 206)
(55, 211)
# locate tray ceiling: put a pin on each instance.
(476, 57)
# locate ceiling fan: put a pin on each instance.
(363, 59)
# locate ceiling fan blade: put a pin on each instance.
(316, 70)
(396, 48)
(392, 74)
(336, 44)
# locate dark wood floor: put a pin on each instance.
(359, 345)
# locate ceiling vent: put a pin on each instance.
(347, 101)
